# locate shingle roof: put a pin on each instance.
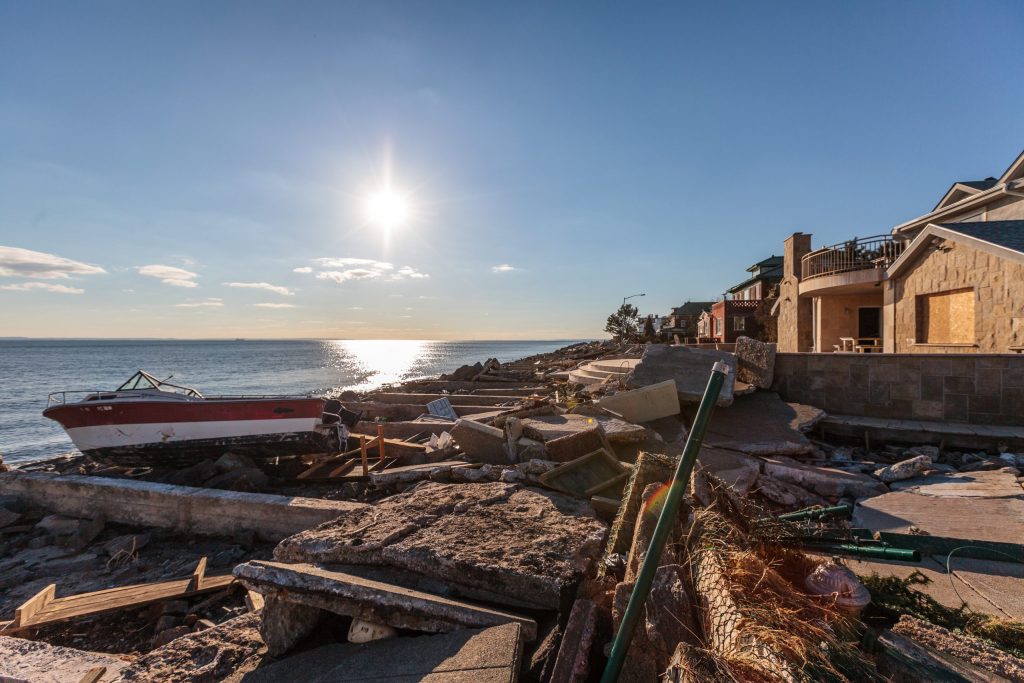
(692, 308)
(979, 184)
(1009, 234)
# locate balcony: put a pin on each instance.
(855, 265)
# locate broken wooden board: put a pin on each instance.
(370, 600)
(45, 608)
(598, 472)
(487, 536)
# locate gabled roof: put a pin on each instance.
(1015, 171)
(770, 262)
(692, 308)
(963, 189)
(1004, 239)
(773, 273)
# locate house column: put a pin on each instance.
(795, 323)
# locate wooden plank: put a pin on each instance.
(93, 675)
(198, 574)
(35, 604)
(253, 601)
(112, 599)
(362, 454)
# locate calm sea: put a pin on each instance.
(31, 369)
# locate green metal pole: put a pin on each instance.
(816, 513)
(667, 518)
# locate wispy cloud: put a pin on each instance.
(41, 286)
(503, 268)
(345, 269)
(169, 275)
(276, 289)
(274, 305)
(17, 262)
(212, 302)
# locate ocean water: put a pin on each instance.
(32, 369)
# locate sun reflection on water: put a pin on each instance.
(379, 361)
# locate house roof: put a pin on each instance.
(774, 273)
(770, 262)
(692, 308)
(1009, 234)
(1004, 239)
(963, 189)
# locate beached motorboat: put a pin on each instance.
(147, 421)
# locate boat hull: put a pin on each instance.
(180, 433)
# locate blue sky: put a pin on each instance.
(172, 152)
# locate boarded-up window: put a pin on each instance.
(946, 317)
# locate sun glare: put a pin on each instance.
(387, 208)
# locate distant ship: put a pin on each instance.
(147, 421)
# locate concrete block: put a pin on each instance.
(481, 443)
(37, 662)
(489, 655)
(550, 427)
(824, 481)
(182, 508)
(572, 663)
(645, 404)
(572, 446)
(689, 368)
(370, 600)
(755, 362)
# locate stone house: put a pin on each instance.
(949, 281)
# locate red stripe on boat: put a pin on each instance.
(160, 412)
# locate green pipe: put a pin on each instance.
(816, 513)
(667, 518)
(877, 551)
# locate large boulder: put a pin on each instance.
(755, 362)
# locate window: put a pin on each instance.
(739, 324)
(946, 317)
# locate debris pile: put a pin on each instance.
(492, 523)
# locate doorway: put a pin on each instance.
(869, 322)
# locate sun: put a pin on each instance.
(388, 208)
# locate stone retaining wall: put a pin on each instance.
(975, 388)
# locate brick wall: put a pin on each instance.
(975, 388)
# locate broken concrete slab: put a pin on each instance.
(489, 655)
(530, 545)
(979, 506)
(689, 368)
(481, 443)
(572, 446)
(550, 427)
(228, 651)
(572, 663)
(650, 468)
(904, 469)
(369, 600)
(737, 470)
(755, 361)
(960, 645)
(644, 404)
(37, 662)
(784, 493)
(824, 481)
(284, 623)
(182, 508)
(412, 473)
(761, 424)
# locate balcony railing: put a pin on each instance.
(858, 254)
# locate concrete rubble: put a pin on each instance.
(498, 528)
(26, 661)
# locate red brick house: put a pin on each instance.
(735, 315)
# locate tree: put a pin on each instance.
(622, 323)
(766, 323)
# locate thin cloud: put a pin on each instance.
(345, 269)
(503, 268)
(169, 275)
(17, 262)
(276, 289)
(212, 302)
(42, 286)
(270, 305)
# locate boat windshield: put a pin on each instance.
(142, 380)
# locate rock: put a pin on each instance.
(178, 607)
(24, 660)
(166, 636)
(905, 469)
(230, 462)
(128, 544)
(481, 443)
(755, 361)
(243, 479)
(233, 648)
(524, 545)
(572, 663)
(465, 373)
(666, 621)
(7, 518)
(194, 475)
(689, 368)
(827, 482)
(931, 451)
(202, 625)
(71, 532)
(283, 623)
(59, 525)
(789, 495)
(165, 622)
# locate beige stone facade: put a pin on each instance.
(997, 285)
(794, 326)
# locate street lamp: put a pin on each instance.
(625, 298)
